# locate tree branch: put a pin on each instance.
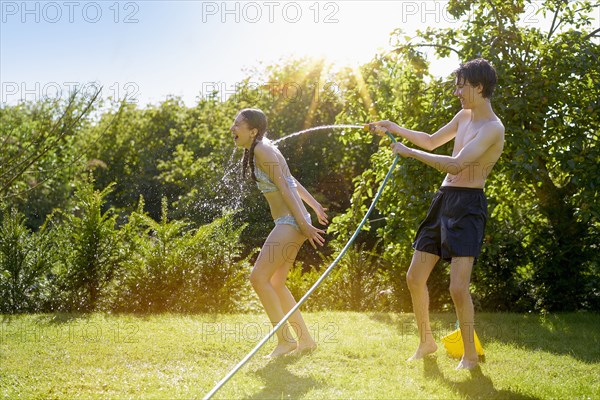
(399, 49)
(593, 34)
(552, 28)
(34, 153)
(562, 20)
(35, 157)
(74, 161)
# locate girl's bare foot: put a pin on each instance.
(423, 350)
(282, 349)
(305, 348)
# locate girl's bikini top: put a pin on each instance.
(266, 185)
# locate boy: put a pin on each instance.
(453, 228)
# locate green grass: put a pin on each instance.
(360, 356)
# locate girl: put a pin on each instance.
(285, 196)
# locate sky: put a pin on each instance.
(148, 50)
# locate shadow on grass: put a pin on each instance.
(55, 318)
(571, 334)
(478, 386)
(281, 383)
(62, 318)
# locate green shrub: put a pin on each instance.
(87, 250)
(23, 265)
(176, 268)
(359, 282)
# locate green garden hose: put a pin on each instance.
(314, 286)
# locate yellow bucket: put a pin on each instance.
(453, 343)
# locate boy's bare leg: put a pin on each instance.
(460, 279)
(420, 268)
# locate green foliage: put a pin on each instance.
(402, 95)
(87, 249)
(358, 282)
(549, 85)
(540, 253)
(41, 151)
(176, 268)
(23, 265)
(541, 244)
(169, 151)
(138, 141)
(81, 261)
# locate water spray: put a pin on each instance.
(327, 271)
(319, 128)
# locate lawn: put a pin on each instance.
(360, 356)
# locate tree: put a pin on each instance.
(544, 190)
(548, 95)
(39, 152)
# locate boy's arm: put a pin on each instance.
(421, 139)
(489, 135)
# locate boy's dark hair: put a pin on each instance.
(478, 71)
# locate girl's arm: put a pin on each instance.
(313, 203)
(269, 163)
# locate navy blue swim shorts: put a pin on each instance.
(454, 224)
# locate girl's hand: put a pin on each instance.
(313, 234)
(321, 215)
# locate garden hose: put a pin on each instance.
(314, 286)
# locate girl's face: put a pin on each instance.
(243, 136)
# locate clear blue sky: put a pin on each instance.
(151, 49)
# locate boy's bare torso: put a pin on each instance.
(475, 173)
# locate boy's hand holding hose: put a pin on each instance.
(382, 128)
(378, 130)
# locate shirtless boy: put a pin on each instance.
(453, 228)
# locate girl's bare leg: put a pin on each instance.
(272, 257)
(305, 340)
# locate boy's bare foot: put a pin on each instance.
(466, 364)
(424, 350)
(283, 349)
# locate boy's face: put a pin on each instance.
(466, 93)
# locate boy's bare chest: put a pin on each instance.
(465, 134)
